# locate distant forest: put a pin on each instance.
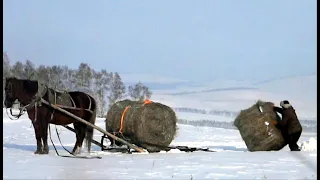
(106, 87)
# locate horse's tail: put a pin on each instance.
(89, 129)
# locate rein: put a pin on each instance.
(17, 116)
(34, 102)
(72, 155)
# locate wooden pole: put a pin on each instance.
(92, 140)
(93, 126)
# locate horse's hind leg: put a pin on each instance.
(80, 135)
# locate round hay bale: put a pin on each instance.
(152, 126)
(258, 129)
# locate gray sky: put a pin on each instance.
(186, 39)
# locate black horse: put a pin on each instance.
(29, 93)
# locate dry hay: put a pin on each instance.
(251, 124)
(151, 126)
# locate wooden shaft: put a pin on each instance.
(92, 140)
(93, 126)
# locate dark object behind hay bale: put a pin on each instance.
(151, 126)
(251, 125)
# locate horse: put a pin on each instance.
(30, 93)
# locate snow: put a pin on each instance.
(198, 116)
(231, 161)
(310, 145)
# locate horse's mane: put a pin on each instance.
(30, 86)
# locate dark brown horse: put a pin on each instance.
(29, 93)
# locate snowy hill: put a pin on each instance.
(232, 96)
(221, 101)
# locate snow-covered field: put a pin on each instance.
(231, 161)
(238, 95)
(197, 116)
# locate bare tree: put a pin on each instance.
(43, 74)
(55, 76)
(6, 65)
(17, 70)
(72, 80)
(29, 70)
(100, 88)
(65, 78)
(117, 89)
(139, 92)
(83, 78)
(6, 70)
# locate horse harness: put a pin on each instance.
(59, 98)
(55, 97)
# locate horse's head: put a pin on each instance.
(23, 90)
(11, 85)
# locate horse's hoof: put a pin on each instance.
(75, 153)
(41, 152)
(37, 152)
(45, 150)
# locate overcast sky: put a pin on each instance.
(186, 39)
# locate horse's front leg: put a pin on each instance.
(38, 137)
(44, 137)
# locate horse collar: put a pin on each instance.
(42, 89)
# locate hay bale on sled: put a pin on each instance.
(258, 128)
(148, 124)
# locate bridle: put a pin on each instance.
(8, 92)
(16, 116)
(22, 110)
